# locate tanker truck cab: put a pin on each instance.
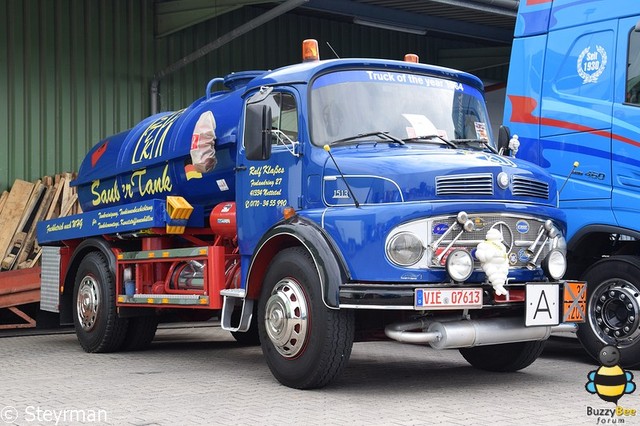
(349, 199)
(573, 100)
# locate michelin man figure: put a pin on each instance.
(492, 255)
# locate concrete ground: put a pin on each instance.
(200, 375)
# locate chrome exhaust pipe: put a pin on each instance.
(466, 334)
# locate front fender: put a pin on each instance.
(293, 232)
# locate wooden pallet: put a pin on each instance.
(25, 206)
(20, 211)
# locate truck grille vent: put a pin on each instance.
(470, 184)
(518, 233)
(526, 187)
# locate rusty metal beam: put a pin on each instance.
(19, 287)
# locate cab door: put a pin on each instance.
(626, 126)
(575, 115)
(265, 187)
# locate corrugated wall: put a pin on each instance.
(71, 72)
(75, 71)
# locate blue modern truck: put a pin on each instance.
(314, 205)
(573, 99)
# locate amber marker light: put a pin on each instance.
(310, 50)
(411, 57)
(289, 212)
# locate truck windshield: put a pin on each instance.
(405, 106)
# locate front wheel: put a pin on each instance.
(507, 357)
(613, 309)
(98, 327)
(306, 344)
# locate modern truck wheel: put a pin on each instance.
(507, 357)
(305, 344)
(613, 309)
(98, 327)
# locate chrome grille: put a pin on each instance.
(526, 187)
(521, 233)
(468, 184)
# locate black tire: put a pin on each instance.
(98, 327)
(311, 345)
(613, 309)
(140, 333)
(250, 337)
(503, 358)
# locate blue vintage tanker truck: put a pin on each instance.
(311, 206)
(573, 99)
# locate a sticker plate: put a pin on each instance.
(448, 298)
(542, 304)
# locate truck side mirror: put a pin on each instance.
(503, 139)
(257, 137)
(637, 28)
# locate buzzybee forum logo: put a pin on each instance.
(610, 382)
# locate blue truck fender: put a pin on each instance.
(298, 231)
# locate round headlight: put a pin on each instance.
(554, 264)
(405, 249)
(503, 180)
(459, 265)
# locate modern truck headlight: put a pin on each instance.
(459, 265)
(405, 249)
(554, 264)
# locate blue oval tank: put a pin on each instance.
(190, 153)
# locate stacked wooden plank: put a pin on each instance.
(21, 209)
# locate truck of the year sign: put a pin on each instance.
(312, 205)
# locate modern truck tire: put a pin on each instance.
(305, 343)
(98, 327)
(613, 309)
(507, 357)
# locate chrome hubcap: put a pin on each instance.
(615, 312)
(88, 302)
(286, 319)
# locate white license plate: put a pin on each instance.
(448, 298)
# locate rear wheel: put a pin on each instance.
(306, 344)
(507, 357)
(250, 337)
(98, 327)
(140, 333)
(613, 309)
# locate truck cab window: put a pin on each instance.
(284, 116)
(632, 95)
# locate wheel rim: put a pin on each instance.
(615, 312)
(286, 319)
(88, 302)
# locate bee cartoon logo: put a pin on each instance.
(610, 381)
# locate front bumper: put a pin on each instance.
(566, 300)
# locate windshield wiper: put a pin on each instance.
(380, 134)
(483, 142)
(430, 138)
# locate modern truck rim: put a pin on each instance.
(614, 312)
(88, 302)
(286, 319)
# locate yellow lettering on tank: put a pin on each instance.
(154, 185)
(151, 141)
(104, 196)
